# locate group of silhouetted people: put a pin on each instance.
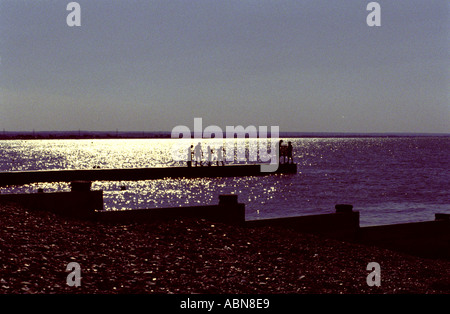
(285, 151)
(198, 155)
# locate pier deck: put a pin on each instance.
(133, 174)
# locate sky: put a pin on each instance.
(302, 65)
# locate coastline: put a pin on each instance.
(91, 135)
(187, 256)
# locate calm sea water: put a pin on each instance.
(389, 180)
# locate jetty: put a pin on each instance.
(134, 174)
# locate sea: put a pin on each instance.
(388, 179)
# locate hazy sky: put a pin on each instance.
(307, 66)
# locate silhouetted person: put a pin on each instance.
(281, 151)
(198, 154)
(220, 156)
(289, 153)
(189, 156)
(209, 155)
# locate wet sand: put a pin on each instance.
(189, 256)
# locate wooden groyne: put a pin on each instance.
(342, 224)
(427, 239)
(132, 174)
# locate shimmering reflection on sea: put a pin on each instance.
(388, 180)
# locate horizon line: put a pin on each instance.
(167, 134)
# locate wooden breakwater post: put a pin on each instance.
(80, 186)
(230, 210)
(84, 203)
(80, 202)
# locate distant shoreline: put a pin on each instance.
(29, 135)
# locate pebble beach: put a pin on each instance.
(188, 256)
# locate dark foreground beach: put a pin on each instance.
(188, 256)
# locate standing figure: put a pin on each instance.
(189, 156)
(198, 154)
(289, 153)
(220, 156)
(281, 152)
(209, 155)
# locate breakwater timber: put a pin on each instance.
(426, 239)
